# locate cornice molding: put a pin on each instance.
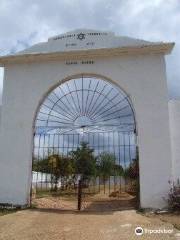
(162, 48)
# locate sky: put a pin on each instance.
(26, 22)
(104, 112)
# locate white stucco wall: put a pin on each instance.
(142, 77)
(174, 116)
(0, 114)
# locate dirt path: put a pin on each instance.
(89, 203)
(58, 225)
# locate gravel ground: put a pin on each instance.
(95, 202)
(173, 218)
(67, 225)
(88, 204)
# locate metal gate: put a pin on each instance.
(114, 150)
(85, 152)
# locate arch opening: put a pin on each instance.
(85, 147)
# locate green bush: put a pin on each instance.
(174, 196)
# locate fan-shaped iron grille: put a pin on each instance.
(85, 104)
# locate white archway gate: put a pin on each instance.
(136, 66)
(85, 132)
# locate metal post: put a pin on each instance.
(79, 194)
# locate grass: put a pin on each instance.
(173, 218)
(169, 217)
(177, 226)
(91, 190)
(68, 193)
(91, 193)
(7, 211)
(47, 193)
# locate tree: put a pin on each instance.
(132, 171)
(106, 165)
(84, 161)
(118, 170)
(61, 167)
(41, 165)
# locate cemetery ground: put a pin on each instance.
(56, 217)
(47, 224)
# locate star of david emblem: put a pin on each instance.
(81, 36)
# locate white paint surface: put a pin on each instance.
(174, 116)
(91, 39)
(142, 77)
(1, 83)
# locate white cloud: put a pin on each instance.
(25, 22)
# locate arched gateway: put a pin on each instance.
(88, 90)
(81, 115)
